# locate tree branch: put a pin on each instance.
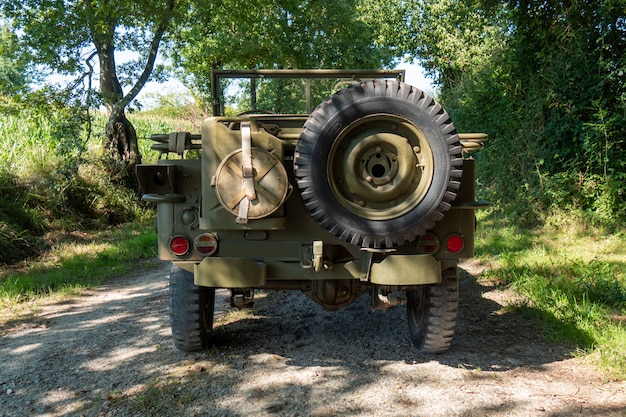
(154, 49)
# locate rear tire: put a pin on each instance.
(191, 311)
(432, 313)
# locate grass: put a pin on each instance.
(55, 177)
(79, 261)
(572, 280)
(31, 145)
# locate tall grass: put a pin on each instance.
(572, 280)
(54, 175)
(26, 150)
(59, 207)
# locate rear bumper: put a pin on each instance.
(397, 270)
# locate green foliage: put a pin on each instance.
(60, 31)
(80, 261)
(544, 80)
(600, 200)
(37, 145)
(20, 221)
(66, 36)
(574, 283)
(164, 119)
(53, 175)
(14, 72)
(453, 38)
(602, 283)
(276, 34)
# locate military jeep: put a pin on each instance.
(371, 191)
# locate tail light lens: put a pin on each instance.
(205, 244)
(428, 243)
(455, 243)
(179, 245)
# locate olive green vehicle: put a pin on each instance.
(372, 191)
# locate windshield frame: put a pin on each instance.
(354, 75)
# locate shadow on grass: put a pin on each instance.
(88, 261)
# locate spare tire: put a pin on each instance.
(378, 163)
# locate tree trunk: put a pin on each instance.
(120, 135)
(121, 143)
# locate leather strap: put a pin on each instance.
(247, 170)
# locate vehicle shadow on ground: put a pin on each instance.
(488, 336)
(292, 353)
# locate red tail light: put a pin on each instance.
(455, 243)
(179, 245)
(205, 244)
(428, 243)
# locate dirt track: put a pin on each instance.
(109, 353)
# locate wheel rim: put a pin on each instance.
(380, 167)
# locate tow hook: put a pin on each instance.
(242, 297)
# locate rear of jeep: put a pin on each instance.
(370, 192)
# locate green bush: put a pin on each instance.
(597, 199)
(54, 175)
(20, 223)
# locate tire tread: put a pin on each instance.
(189, 305)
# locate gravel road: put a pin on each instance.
(108, 352)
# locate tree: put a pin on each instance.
(66, 35)
(454, 39)
(13, 67)
(295, 34)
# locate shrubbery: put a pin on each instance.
(546, 82)
(54, 175)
